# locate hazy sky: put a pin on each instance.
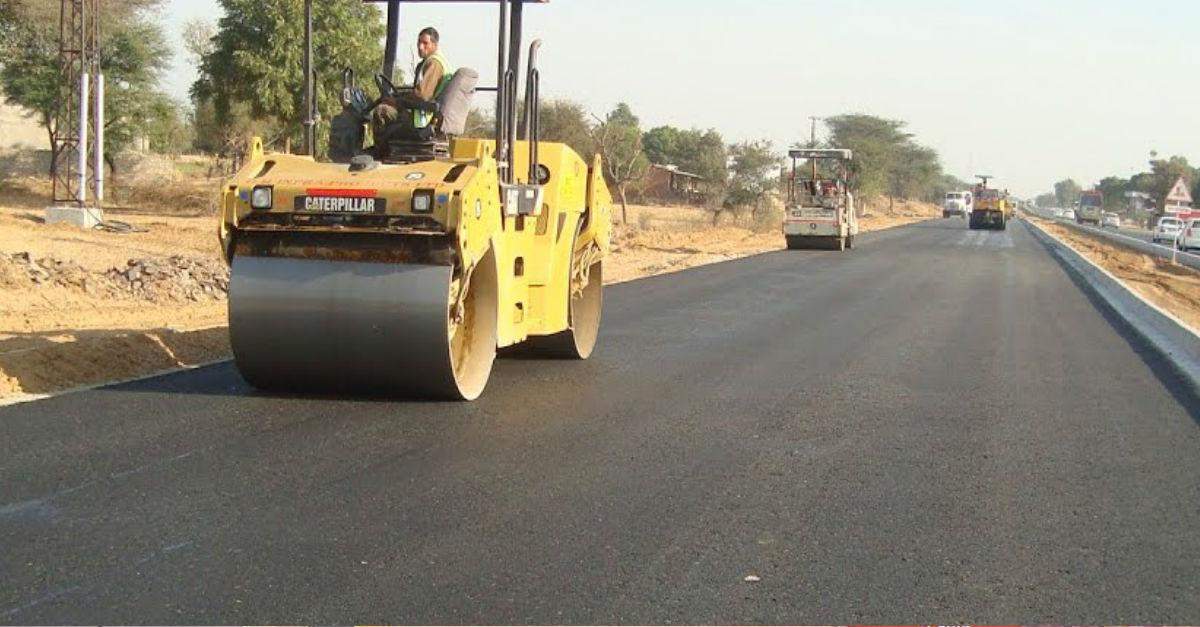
(1027, 90)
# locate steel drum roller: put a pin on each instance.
(339, 326)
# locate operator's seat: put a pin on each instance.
(408, 145)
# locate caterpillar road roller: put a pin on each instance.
(819, 212)
(399, 268)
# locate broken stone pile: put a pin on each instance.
(174, 278)
(23, 268)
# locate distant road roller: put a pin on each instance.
(992, 209)
(400, 268)
(819, 212)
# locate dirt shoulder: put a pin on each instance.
(84, 307)
(1174, 288)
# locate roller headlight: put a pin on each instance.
(422, 201)
(261, 198)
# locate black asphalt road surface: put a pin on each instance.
(938, 425)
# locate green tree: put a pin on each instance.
(877, 144)
(1066, 192)
(1046, 200)
(257, 59)
(167, 128)
(623, 116)
(701, 152)
(662, 144)
(567, 122)
(1163, 175)
(619, 141)
(915, 174)
(134, 53)
(1113, 188)
(948, 183)
(753, 172)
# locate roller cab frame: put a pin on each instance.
(819, 212)
(343, 272)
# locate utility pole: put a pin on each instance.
(77, 182)
(812, 142)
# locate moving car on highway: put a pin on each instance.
(1110, 219)
(1189, 237)
(1089, 209)
(1166, 229)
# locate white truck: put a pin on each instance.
(819, 212)
(957, 204)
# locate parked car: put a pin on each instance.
(1166, 229)
(1189, 237)
(1110, 219)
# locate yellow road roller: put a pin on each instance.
(400, 268)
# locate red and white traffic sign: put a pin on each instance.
(1180, 195)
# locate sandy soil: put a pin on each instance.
(1174, 288)
(86, 324)
(58, 334)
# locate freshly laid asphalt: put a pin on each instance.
(939, 425)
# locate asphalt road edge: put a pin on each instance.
(20, 399)
(1170, 336)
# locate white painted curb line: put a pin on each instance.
(1172, 337)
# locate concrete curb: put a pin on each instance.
(1169, 335)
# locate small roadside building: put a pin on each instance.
(667, 183)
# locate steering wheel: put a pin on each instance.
(386, 88)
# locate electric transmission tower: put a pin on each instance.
(77, 165)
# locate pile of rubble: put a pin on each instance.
(22, 270)
(175, 278)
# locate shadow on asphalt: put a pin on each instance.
(1177, 384)
(223, 380)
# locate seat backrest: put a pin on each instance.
(455, 101)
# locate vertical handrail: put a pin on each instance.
(514, 67)
(501, 84)
(532, 95)
(505, 104)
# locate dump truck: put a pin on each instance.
(400, 268)
(992, 208)
(819, 212)
(1091, 208)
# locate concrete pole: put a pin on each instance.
(99, 142)
(83, 138)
